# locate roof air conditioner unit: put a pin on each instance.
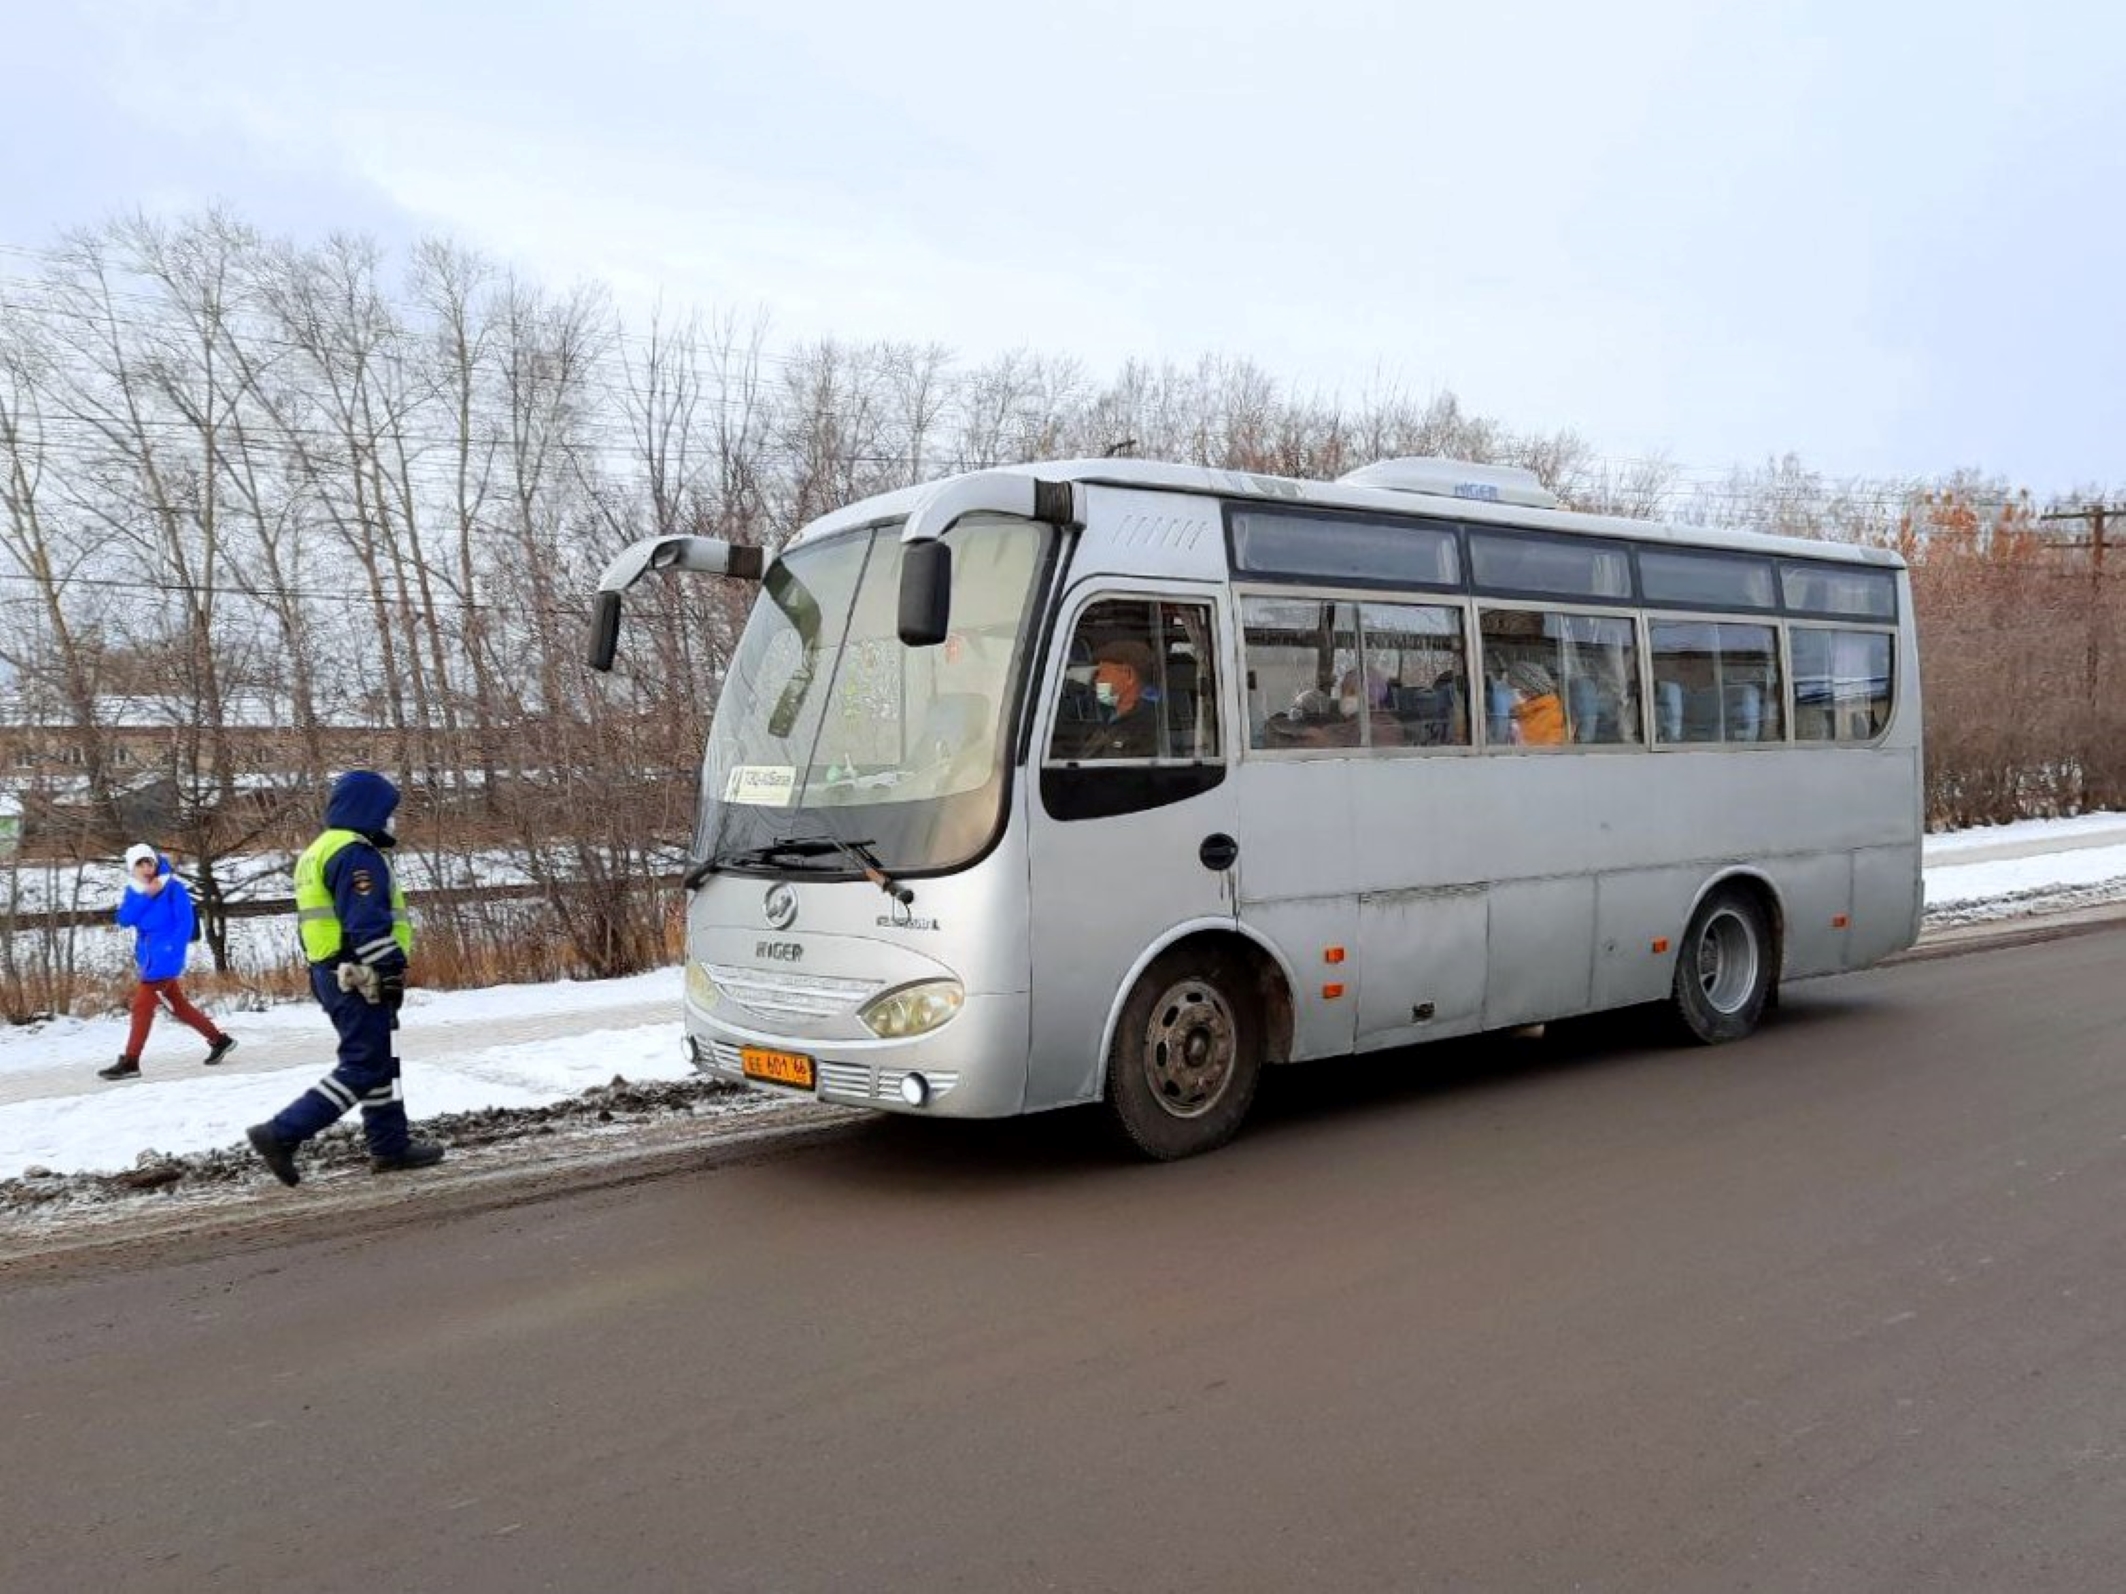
(1454, 478)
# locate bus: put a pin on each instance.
(1112, 781)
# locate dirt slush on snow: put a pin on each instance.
(585, 1124)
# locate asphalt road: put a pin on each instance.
(1842, 1307)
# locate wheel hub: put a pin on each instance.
(1727, 961)
(1191, 1045)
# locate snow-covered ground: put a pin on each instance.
(511, 1046)
(2001, 867)
(531, 1045)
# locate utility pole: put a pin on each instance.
(2096, 515)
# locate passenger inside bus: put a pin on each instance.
(1431, 716)
(1313, 720)
(1538, 713)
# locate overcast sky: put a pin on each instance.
(1889, 238)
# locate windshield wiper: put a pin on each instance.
(857, 852)
(860, 854)
(740, 857)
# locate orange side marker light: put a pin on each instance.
(1660, 943)
(1333, 954)
(1332, 992)
(1839, 921)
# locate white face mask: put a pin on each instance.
(391, 824)
(1104, 691)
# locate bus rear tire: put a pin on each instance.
(1725, 969)
(1186, 1057)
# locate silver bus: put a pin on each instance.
(1113, 781)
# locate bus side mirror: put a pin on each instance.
(605, 630)
(926, 593)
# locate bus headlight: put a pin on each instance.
(913, 1009)
(701, 990)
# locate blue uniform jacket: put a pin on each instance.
(161, 924)
(359, 875)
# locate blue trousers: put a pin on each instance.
(367, 1076)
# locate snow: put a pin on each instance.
(92, 1042)
(509, 1046)
(2014, 877)
(531, 1045)
(107, 1130)
(2013, 863)
(2051, 833)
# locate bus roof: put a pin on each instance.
(1347, 494)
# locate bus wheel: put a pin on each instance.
(1186, 1057)
(1724, 972)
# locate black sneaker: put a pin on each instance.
(220, 1049)
(124, 1068)
(276, 1152)
(418, 1154)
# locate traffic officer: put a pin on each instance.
(357, 937)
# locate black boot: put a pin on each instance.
(418, 1154)
(220, 1049)
(125, 1068)
(276, 1152)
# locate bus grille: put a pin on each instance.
(862, 1082)
(850, 1081)
(778, 993)
(845, 1079)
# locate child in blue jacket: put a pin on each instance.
(158, 910)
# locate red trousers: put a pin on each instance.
(145, 996)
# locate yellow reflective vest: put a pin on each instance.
(317, 920)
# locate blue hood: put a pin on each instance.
(362, 800)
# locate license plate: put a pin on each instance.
(780, 1068)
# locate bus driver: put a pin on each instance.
(1128, 725)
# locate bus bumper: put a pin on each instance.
(974, 1066)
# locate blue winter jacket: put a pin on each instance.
(161, 924)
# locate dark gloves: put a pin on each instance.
(391, 988)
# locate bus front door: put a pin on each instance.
(1133, 817)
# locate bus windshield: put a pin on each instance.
(829, 727)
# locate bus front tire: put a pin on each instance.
(1187, 1055)
(1724, 969)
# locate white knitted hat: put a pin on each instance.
(135, 853)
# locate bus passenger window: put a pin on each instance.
(1716, 682)
(1416, 693)
(1842, 684)
(1188, 688)
(1300, 652)
(1560, 680)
